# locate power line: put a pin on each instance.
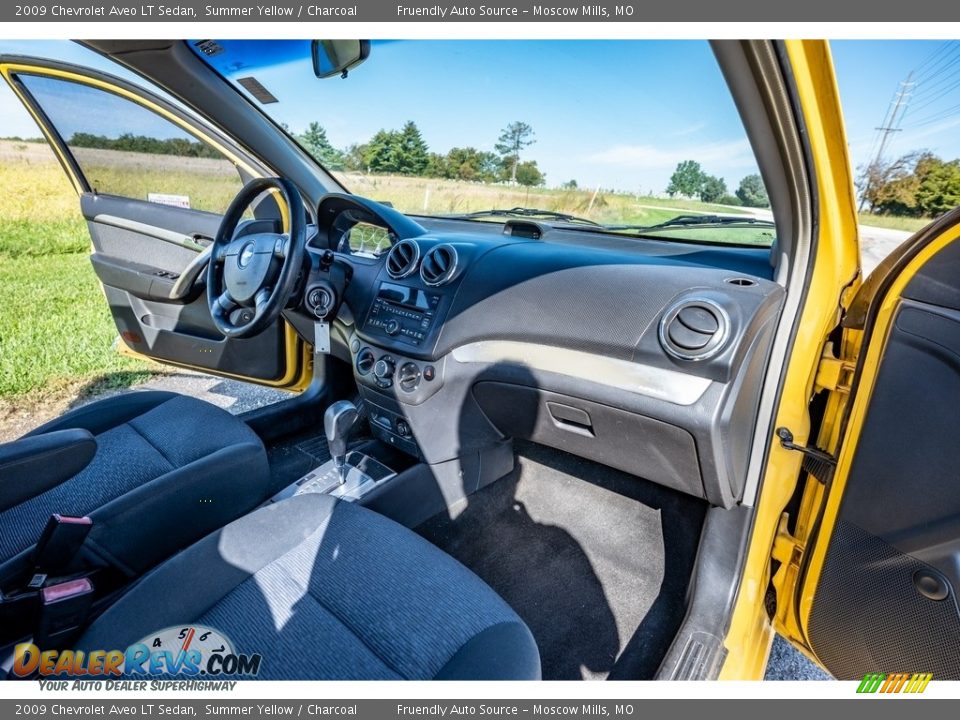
(892, 120)
(937, 116)
(944, 61)
(937, 82)
(938, 98)
(936, 89)
(937, 75)
(900, 105)
(935, 54)
(878, 131)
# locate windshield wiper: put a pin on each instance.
(525, 212)
(700, 221)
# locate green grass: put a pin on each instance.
(894, 222)
(55, 328)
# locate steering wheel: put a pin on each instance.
(255, 273)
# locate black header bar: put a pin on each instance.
(473, 11)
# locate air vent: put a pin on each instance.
(694, 329)
(439, 265)
(365, 361)
(402, 259)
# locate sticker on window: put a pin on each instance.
(180, 201)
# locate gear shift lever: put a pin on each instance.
(337, 422)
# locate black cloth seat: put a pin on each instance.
(167, 470)
(325, 589)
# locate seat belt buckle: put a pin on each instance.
(60, 542)
(63, 612)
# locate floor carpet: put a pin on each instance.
(595, 561)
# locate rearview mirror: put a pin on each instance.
(338, 57)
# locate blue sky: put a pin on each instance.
(610, 113)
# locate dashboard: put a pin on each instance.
(644, 355)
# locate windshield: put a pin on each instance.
(632, 137)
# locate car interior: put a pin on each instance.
(526, 449)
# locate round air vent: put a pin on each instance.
(694, 329)
(402, 259)
(439, 265)
(365, 361)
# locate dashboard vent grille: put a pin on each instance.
(365, 361)
(439, 265)
(402, 259)
(694, 329)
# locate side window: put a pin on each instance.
(125, 149)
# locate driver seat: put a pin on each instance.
(154, 471)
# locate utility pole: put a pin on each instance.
(891, 123)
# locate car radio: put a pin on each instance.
(402, 312)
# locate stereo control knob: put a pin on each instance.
(392, 326)
(384, 368)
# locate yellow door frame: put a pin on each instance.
(832, 279)
(298, 354)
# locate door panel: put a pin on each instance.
(140, 251)
(152, 185)
(885, 570)
(899, 523)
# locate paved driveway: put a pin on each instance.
(877, 243)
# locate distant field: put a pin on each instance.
(893, 222)
(435, 196)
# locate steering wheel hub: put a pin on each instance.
(251, 264)
(257, 272)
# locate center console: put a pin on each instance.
(361, 475)
(388, 351)
(348, 475)
(403, 313)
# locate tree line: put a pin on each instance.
(395, 152)
(918, 184)
(128, 142)
(405, 152)
(690, 180)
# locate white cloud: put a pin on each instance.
(727, 154)
(934, 137)
(934, 129)
(689, 130)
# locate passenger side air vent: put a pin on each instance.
(439, 265)
(402, 259)
(694, 329)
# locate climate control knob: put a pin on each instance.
(408, 377)
(384, 368)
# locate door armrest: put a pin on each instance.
(32, 465)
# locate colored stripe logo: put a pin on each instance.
(894, 683)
